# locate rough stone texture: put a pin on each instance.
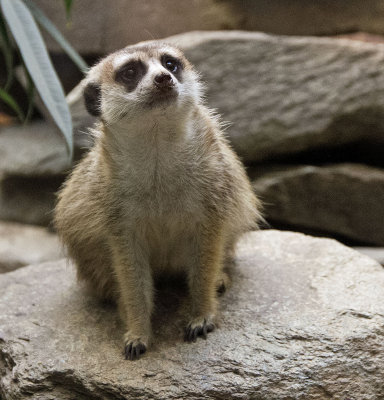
(344, 199)
(22, 245)
(108, 28)
(29, 200)
(303, 320)
(285, 95)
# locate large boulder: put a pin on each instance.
(22, 245)
(285, 95)
(342, 199)
(303, 320)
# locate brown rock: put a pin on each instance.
(303, 320)
(343, 199)
(22, 245)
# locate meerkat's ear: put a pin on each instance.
(92, 98)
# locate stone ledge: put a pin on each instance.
(304, 319)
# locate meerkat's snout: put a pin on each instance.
(164, 82)
(165, 88)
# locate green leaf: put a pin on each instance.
(55, 33)
(7, 50)
(35, 56)
(30, 95)
(8, 99)
(68, 8)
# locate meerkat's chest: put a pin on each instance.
(167, 184)
(163, 201)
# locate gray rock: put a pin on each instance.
(29, 200)
(343, 199)
(376, 253)
(22, 245)
(284, 95)
(38, 149)
(33, 149)
(304, 319)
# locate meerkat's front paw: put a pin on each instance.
(134, 346)
(199, 326)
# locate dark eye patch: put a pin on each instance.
(173, 65)
(130, 74)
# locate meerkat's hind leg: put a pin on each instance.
(94, 268)
(223, 282)
(224, 276)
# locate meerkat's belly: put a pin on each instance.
(172, 243)
(167, 219)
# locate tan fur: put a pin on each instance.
(161, 190)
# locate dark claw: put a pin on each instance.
(134, 352)
(191, 334)
(205, 331)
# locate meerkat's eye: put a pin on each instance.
(127, 73)
(130, 74)
(171, 64)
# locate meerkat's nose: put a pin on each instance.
(163, 81)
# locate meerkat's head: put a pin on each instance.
(138, 79)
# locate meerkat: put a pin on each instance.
(160, 191)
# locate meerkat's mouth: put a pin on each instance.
(162, 97)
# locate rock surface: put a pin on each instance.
(38, 149)
(284, 95)
(35, 149)
(29, 200)
(22, 245)
(135, 20)
(376, 253)
(303, 320)
(344, 199)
